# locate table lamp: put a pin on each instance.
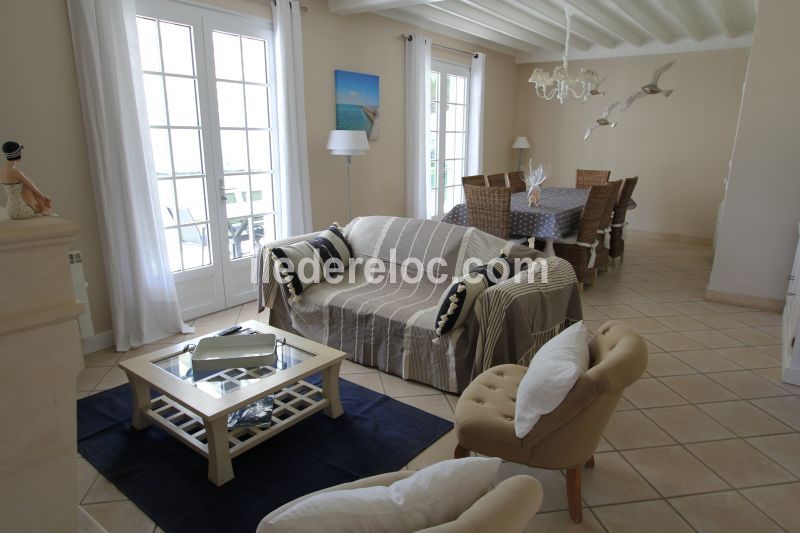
(348, 143)
(520, 144)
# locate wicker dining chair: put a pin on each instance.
(618, 223)
(587, 178)
(516, 180)
(497, 180)
(478, 179)
(579, 248)
(605, 226)
(489, 209)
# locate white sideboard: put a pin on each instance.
(791, 324)
(40, 358)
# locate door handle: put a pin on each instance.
(223, 189)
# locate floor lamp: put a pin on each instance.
(348, 143)
(520, 144)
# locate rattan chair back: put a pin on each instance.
(516, 180)
(592, 213)
(587, 178)
(497, 180)
(478, 179)
(489, 209)
(621, 208)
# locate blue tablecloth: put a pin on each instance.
(557, 215)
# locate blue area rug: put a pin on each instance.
(168, 481)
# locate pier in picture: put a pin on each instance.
(358, 102)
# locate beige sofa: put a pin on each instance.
(509, 507)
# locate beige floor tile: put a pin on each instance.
(120, 517)
(227, 317)
(673, 471)
(774, 331)
(747, 384)
(687, 423)
(739, 463)
(718, 321)
(631, 429)
(439, 451)
(697, 388)
(750, 336)
(553, 483)
(85, 394)
(649, 392)
(643, 325)
(592, 313)
(688, 308)
(147, 348)
(744, 419)
(775, 376)
(665, 297)
(631, 297)
(370, 381)
(604, 446)
(397, 387)
(87, 524)
(782, 449)
(612, 480)
(113, 378)
(86, 476)
(724, 512)
(712, 339)
(664, 364)
(748, 357)
(655, 516)
(103, 491)
(773, 350)
(435, 404)
(624, 405)
(349, 367)
(107, 357)
(784, 408)
(707, 361)
(597, 298)
(779, 502)
(560, 522)
(654, 309)
(672, 342)
(714, 307)
(682, 323)
(90, 377)
(452, 399)
(619, 311)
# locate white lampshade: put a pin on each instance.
(521, 142)
(347, 142)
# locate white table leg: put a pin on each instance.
(140, 394)
(220, 468)
(330, 390)
(548, 248)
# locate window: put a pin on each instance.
(448, 135)
(207, 81)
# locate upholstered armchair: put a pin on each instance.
(567, 437)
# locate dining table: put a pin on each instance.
(556, 217)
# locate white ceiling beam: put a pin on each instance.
(475, 14)
(685, 13)
(511, 13)
(721, 16)
(461, 24)
(426, 24)
(611, 24)
(635, 9)
(556, 16)
(354, 7)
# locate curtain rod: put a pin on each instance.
(408, 37)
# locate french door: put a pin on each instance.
(208, 80)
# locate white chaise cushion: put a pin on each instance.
(434, 495)
(551, 375)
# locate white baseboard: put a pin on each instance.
(674, 237)
(791, 376)
(97, 342)
(744, 300)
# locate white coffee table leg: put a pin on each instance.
(220, 468)
(330, 390)
(140, 394)
(548, 248)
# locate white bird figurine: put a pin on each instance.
(650, 88)
(602, 121)
(595, 91)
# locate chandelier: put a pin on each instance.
(560, 84)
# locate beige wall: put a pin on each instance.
(758, 233)
(678, 146)
(372, 44)
(40, 107)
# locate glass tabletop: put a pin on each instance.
(218, 383)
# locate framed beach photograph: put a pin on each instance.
(358, 102)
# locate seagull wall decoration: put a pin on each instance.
(650, 88)
(602, 121)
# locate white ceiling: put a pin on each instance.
(534, 30)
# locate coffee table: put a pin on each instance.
(195, 410)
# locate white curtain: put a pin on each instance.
(418, 97)
(144, 304)
(292, 143)
(475, 127)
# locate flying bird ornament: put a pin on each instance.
(602, 121)
(594, 91)
(650, 88)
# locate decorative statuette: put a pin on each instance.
(533, 181)
(23, 199)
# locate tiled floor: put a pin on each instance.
(707, 440)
